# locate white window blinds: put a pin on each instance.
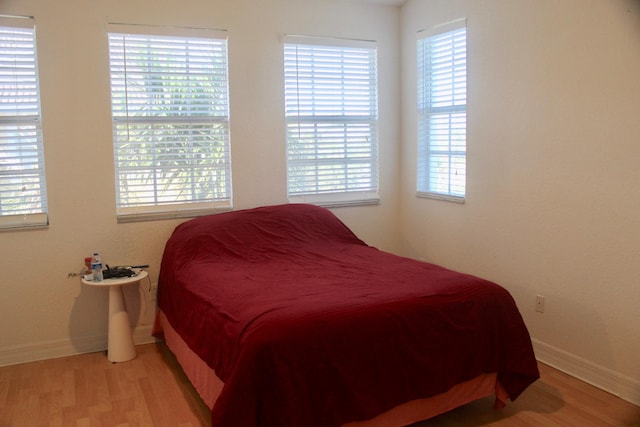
(170, 121)
(442, 112)
(331, 114)
(23, 195)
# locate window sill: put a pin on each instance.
(439, 196)
(24, 222)
(337, 200)
(160, 213)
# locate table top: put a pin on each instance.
(117, 281)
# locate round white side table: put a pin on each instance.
(120, 347)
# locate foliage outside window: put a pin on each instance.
(170, 121)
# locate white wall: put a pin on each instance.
(553, 204)
(44, 314)
(553, 185)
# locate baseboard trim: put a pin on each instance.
(142, 335)
(606, 379)
(60, 348)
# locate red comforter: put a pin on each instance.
(309, 327)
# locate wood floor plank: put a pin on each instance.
(151, 390)
(556, 399)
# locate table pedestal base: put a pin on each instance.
(120, 345)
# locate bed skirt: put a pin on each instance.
(209, 386)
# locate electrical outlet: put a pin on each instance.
(539, 303)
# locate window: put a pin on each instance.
(331, 114)
(442, 112)
(170, 111)
(23, 194)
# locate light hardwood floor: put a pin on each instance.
(151, 390)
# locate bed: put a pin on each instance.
(281, 316)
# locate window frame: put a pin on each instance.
(447, 115)
(26, 122)
(301, 115)
(130, 212)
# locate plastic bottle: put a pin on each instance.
(96, 267)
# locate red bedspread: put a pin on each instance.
(308, 326)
